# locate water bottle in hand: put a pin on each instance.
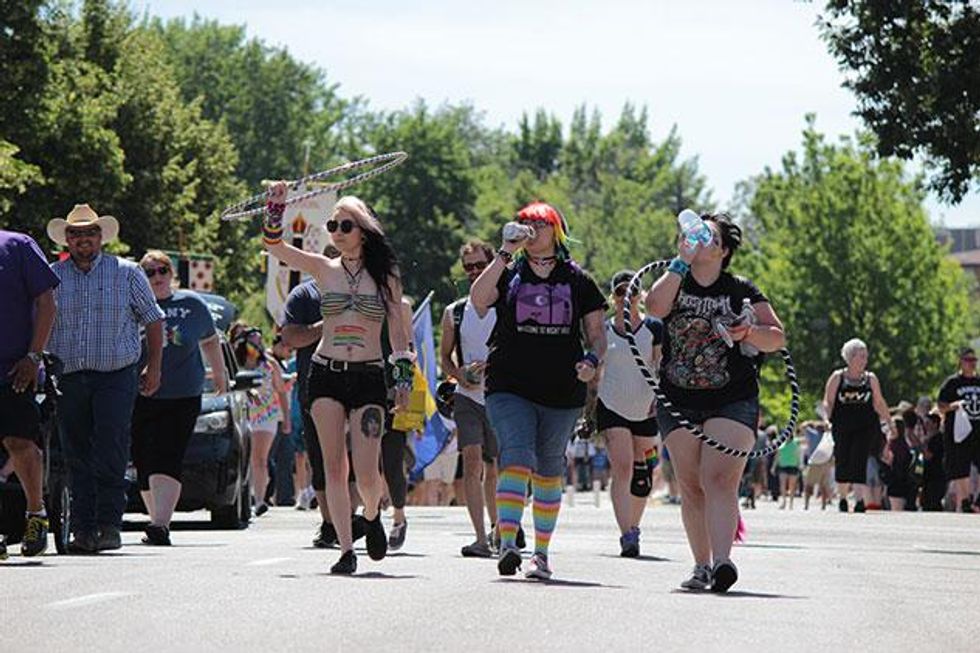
(693, 228)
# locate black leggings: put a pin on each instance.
(161, 430)
(393, 464)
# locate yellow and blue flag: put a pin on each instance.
(435, 432)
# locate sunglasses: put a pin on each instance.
(969, 359)
(537, 224)
(475, 267)
(91, 232)
(152, 272)
(345, 226)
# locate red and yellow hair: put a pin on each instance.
(545, 212)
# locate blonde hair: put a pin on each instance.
(851, 347)
(361, 212)
(158, 256)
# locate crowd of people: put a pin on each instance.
(536, 361)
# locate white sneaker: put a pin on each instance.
(305, 501)
(539, 567)
(700, 579)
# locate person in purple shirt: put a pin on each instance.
(28, 307)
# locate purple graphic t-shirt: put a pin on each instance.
(538, 337)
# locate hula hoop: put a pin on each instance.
(633, 289)
(240, 211)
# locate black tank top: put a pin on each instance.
(853, 405)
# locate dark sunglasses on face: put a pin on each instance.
(475, 267)
(537, 224)
(91, 232)
(152, 272)
(346, 226)
(969, 359)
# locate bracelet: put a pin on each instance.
(504, 254)
(402, 371)
(679, 267)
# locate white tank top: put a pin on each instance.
(623, 389)
(474, 332)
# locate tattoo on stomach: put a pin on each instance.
(350, 336)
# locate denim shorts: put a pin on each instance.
(529, 434)
(744, 412)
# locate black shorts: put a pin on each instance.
(607, 419)
(851, 451)
(313, 448)
(958, 456)
(353, 385)
(161, 430)
(743, 411)
(19, 415)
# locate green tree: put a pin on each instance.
(843, 249)
(915, 68)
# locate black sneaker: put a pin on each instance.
(629, 543)
(358, 527)
(84, 543)
(509, 562)
(842, 505)
(3, 547)
(521, 542)
(347, 564)
(966, 505)
(110, 538)
(35, 540)
(859, 506)
(156, 535)
(723, 576)
(261, 509)
(375, 538)
(326, 536)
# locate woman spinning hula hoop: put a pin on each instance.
(711, 385)
(359, 290)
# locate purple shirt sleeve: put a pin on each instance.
(38, 275)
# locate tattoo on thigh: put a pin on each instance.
(371, 422)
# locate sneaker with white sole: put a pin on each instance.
(723, 575)
(539, 567)
(700, 579)
(396, 537)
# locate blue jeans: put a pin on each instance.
(529, 434)
(95, 411)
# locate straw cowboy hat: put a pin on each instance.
(83, 216)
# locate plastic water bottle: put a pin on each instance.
(693, 228)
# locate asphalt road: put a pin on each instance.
(809, 581)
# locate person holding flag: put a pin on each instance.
(537, 370)
(359, 290)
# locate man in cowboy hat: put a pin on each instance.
(103, 300)
(28, 308)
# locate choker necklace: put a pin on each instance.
(543, 260)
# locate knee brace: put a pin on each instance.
(642, 482)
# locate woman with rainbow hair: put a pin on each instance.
(537, 370)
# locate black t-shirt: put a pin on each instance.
(538, 336)
(698, 369)
(303, 307)
(966, 389)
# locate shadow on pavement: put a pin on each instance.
(769, 546)
(558, 582)
(372, 575)
(641, 558)
(950, 553)
(737, 594)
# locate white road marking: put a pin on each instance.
(266, 562)
(87, 599)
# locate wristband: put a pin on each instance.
(504, 254)
(679, 267)
(591, 359)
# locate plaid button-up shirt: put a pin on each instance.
(100, 313)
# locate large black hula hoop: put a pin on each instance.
(384, 162)
(633, 290)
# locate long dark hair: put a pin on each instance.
(380, 260)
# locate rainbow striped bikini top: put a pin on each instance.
(370, 306)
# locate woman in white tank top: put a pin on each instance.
(625, 416)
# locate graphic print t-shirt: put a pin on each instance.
(188, 322)
(538, 337)
(698, 370)
(965, 389)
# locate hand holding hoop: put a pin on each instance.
(255, 205)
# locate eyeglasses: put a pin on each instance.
(969, 359)
(346, 226)
(152, 272)
(475, 267)
(91, 232)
